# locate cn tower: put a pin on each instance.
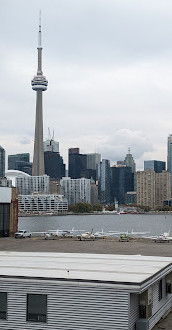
(39, 84)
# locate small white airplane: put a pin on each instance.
(165, 237)
(86, 235)
(58, 233)
(100, 234)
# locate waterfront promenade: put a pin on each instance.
(105, 246)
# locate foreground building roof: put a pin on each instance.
(130, 270)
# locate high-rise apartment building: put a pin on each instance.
(152, 188)
(39, 84)
(162, 188)
(145, 187)
(20, 162)
(75, 190)
(27, 184)
(104, 181)
(154, 165)
(77, 163)
(121, 182)
(2, 162)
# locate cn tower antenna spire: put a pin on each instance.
(39, 84)
(39, 33)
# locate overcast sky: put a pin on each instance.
(109, 70)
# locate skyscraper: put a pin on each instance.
(54, 166)
(129, 161)
(92, 162)
(77, 163)
(51, 145)
(2, 162)
(39, 84)
(20, 162)
(155, 165)
(169, 156)
(104, 181)
(121, 182)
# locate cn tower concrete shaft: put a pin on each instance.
(38, 158)
(39, 84)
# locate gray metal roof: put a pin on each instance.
(79, 266)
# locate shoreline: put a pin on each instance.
(94, 213)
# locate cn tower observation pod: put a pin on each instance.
(39, 82)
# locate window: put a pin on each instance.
(37, 307)
(3, 305)
(160, 290)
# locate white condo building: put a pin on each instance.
(75, 190)
(42, 203)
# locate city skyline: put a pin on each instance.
(110, 76)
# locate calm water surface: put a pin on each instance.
(155, 224)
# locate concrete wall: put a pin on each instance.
(5, 195)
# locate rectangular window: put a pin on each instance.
(160, 290)
(37, 307)
(3, 305)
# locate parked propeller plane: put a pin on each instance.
(52, 234)
(165, 237)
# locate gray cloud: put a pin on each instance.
(109, 69)
(24, 140)
(116, 147)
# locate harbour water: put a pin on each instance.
(156, 224)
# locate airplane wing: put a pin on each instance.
(151, 237)
(159, 238)
(117, 232)
(138, 233)
(39, 233)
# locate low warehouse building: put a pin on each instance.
(8, 208)
(68, 291)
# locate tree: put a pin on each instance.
(97, 207)
(83, 208)
(111, 207)
(72, 208)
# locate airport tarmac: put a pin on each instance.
(107, 246)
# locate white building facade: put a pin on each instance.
(32, 184)
(75, 190)
(42, 203)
